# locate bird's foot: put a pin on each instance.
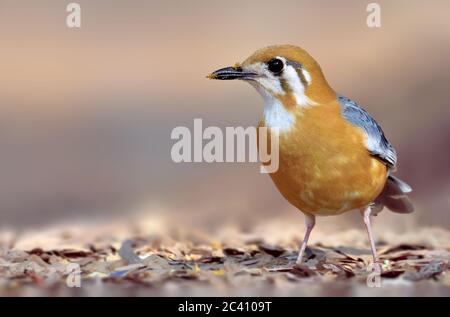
(375, 267)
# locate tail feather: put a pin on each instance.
(402, 205)
(404, 187)
(394, 196)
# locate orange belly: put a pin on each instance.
(324, 166)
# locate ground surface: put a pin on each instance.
(119, 259)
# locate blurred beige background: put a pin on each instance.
(86, 115)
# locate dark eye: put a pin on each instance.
(275, 65)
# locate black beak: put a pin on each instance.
(230, 73)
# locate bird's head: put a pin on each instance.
(285, 72)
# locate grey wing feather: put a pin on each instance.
(377, 144)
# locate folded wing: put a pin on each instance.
(394, 195)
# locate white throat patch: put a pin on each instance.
(275, 114)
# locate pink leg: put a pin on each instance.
(366, 214)
(310, 221)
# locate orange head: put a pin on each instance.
(285, 73)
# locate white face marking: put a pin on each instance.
(298, 89)
(269, 86)
(271, 83)
(307, 76)
(294, 82)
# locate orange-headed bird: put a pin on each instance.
(333, 156)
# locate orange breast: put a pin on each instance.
(325, 168)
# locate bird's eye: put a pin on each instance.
(275, 65)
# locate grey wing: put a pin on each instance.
(377, 144)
